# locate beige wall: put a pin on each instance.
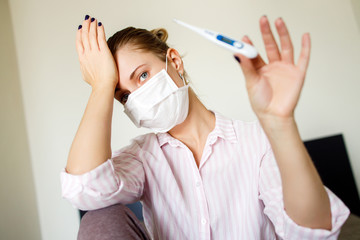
(18, 207)
(55, 95)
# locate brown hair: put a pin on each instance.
(151, 41)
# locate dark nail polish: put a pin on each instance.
(237, 59)
(92, 19)
(99, 24)
(87, 17)
(80, 26)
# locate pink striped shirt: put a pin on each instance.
(235, 193)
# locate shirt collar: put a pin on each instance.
(224, 129)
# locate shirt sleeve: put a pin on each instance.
(117, 180)
(270, 192)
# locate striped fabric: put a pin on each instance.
(234, 194)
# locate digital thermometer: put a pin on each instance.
(226, 42)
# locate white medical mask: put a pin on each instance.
(159, 104)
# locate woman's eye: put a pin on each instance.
(124, 98)
(143, 76)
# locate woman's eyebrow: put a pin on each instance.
(132, 74)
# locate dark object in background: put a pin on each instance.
(82, 213)
(331, 161)
(136, 208)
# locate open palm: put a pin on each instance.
(274, 88)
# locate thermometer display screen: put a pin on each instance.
(225, 39)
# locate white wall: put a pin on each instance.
(19, 217)
(55, 96)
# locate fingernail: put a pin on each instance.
(92, 19)
(237, 59)
(87, 17)
(80, 26)
(99, 24)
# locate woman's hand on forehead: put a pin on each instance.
(97, 64)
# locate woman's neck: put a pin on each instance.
(198, 124)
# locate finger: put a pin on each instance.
(258, 62)
(85, 33)
(93, 34)
(101, 37)
(271, 47)
(304, 57)
(247, 67)
(287, 50)
(79, 45)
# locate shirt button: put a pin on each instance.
(203, 221)
(198, 184)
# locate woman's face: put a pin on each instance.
(136, 67)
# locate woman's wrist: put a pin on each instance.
(275, 125)
(104, 87)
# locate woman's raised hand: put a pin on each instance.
(274, 88)
(97, 64)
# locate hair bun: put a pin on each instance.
(160, 33)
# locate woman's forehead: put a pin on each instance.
(127, 53)
(128, 59)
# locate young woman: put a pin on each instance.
(200, 175)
